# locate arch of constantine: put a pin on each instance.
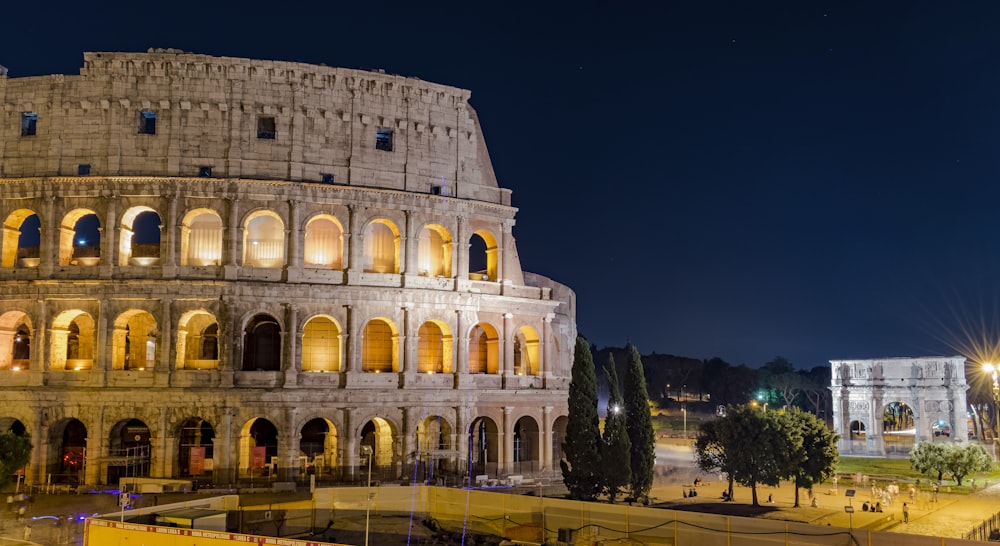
(223, 268)
(885, 406)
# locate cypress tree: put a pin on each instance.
(582, 456)
(616, 443)
(639, 424)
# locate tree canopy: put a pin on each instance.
(929, 458)
(15, 452)
(581, 467)
(639, 424)
(616, 444)
(817, 457)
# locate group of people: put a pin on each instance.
(877, 507)
(18, 504)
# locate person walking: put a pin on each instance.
(934, 492)
(906, 513)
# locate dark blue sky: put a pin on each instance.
(738, 179)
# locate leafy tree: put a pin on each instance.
(582, 462)
(15, 452)
(751, 446)
(964, 460)
(817, 459)
(639, 424)
(616, 443)
(929, 458)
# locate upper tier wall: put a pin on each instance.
(208, 111)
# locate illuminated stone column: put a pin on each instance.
(461, 250)
(408, 435)
(462, 435)
(48, 239)
(506, 439)
(231, 239)
(39, 364)
(164, 346)
(291, 334)
(545, 450)
(462, 337)
(545, 366)
(293, 237)
(102, 349)
(408, 247)
(408, 336)
(96, 451)
(169, 238)
(507, 340)
(354, 243)
(348, 344)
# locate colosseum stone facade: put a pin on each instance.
(224, 268)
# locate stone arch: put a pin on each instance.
(435, 447)
(381, 247)
(434, 251)
(318, 444)
(258, 447)
(72, 341)
(898, 401)
(527, 351)
(134, 344)
(558, 437)
(262, 344)
(484, 446)
(324, 243)
(380, 346)
(201, 238)
(21, 239)
(380, 434)
(197, 341)
(195, 447)
(80, 238)
(67, 453)
(527, 446)
(139, 237)
(322, 340)
(434, 347)
(129, 450)
(263, 240)
(484, 254)
(484, 349)
(16, 333)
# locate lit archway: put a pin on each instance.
(71, 340)
(434, 251)
(379, 435)
(324, 243)
(258, 448)
(483, 256)
(435, 449)
(21, 239)
(129, 450)
(318, 447)
(139, 237)
(380, 347)
(264, 240)
(133, 345)
(67, 454)
(80, 238)
(527, 448)
(484, 445)
(434, 347)
(484, 349)
(15, 341)
(898, 427)
(262, 344)
(321, 342)
(197, 341)
(381, 247)
(559, 436)
(196, 448)
(527, 351)
(201, 238)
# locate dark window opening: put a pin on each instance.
(327, 178)
(83, 169)
(147, 123)
(29, 123)
(383, 139)
(205, 172)
(265, 127)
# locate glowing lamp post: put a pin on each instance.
(992, 369)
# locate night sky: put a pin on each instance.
(816, 180)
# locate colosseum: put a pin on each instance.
(227, 269)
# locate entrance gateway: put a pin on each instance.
(885, 406)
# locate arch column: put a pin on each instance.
(544, 367)
(168, 238)
(354, 245)
(293, 259)
(40, 451)
(164, 346)
(102, 348)
(47, 232)
(506, 439)
(96, 451)
(351, 445)
(545, 439)
(407, 363)
(507, 345)
(38, 362)
(232, 246)
(409, 252)
(410, 444)
(108, 236)
(291, 366)
(350, 356)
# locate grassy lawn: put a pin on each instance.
(899, 470)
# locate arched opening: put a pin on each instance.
(321, 343)
(72, 341)
(941, 429)
(435, 450)
(484, 349)
(15, 341)
(318, 448)
(196, 448)
(80, 238)
(139, 236)
(857, 436)
(527, 351)
(264, 240)
(484, 444)
(134, 341)
(380, 347)
(129, 451)
(197, 341)
(434, 250)
(262, 345)
(526, 446)
(324, 243)
(483, 254)
(898, 428)
(379, 435)
(259, 448)
(381, 247)
(558, 437)
(201, 238)
(12, 425)
(434, 348)
(68, 457)
(21, 239)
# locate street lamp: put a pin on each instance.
(367, 451)
(685, 412)
(993, 369)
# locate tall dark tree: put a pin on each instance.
(15, 452)
(639, 424)
(712, 450)
(617, 470)
(582, 446)
(817, 458)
